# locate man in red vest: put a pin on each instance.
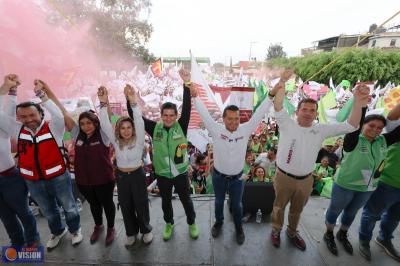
(41, 163)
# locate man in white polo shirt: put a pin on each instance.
(230, 143)
(299, 143)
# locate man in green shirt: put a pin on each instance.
(385, 200)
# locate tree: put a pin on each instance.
(115, 24)
(372, 28)
(275, 51)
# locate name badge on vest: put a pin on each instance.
(95, 143)
(79, 143)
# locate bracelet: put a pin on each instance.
(270, 95)
(12, 92)
(103, 104)
(40, 93)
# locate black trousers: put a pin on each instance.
(182, 187)
(99, 197)
(134, 201)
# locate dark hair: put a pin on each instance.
(273, 149)
(200, 157)
(29, 104)
(169, 105)
(307, 100)
(92, 117)
(231, 107)
(370, 118)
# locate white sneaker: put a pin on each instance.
(77, 237)
(147, 238)
(130, 240)
(55, 240)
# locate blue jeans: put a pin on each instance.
(47, 193)
(385, 200)
(348, 201)
(235, 186)
(14, 210)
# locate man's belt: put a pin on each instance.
(228, 176)
(9, 172)
(294, 176)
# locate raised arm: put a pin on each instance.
(279, 90)
(104, 117)
(186, 103)
(7, 117)
(209, 122)
(69, 122)
(149, 125)
(361, 94)
(56, 123)
(351, 139)
(136, 113)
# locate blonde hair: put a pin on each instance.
(118, 138)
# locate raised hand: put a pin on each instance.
(39, 89)
(361, 94)
(285, 76)
(130, 94)
(185, 75)
(102, 94)
(193, 90)
(11, 82)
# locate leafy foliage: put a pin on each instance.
(353, 64)
(115, 25)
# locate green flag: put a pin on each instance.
(290, 85)
(261, 93)
(321, 113)
(114, 119)
(329, 100)
(288, 106)
(344, 113)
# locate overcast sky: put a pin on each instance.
(222, 28)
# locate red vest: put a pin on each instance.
(39, 155)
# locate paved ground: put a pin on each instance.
(182, 250)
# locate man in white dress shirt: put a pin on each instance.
(299, 143)
(230, 144)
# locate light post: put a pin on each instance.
(251, 44)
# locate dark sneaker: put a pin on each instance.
(364, 249)
(330, 242)
(297, 240)
(240, 235)
(216, 229)
(341, 236)
(276, 238)
(110, 236)
(389, 248)
(96, 233)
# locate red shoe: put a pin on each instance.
(297, 240)
(110, 236)
(276, 239)
(96, 233)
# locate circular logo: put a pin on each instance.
(11, 254)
